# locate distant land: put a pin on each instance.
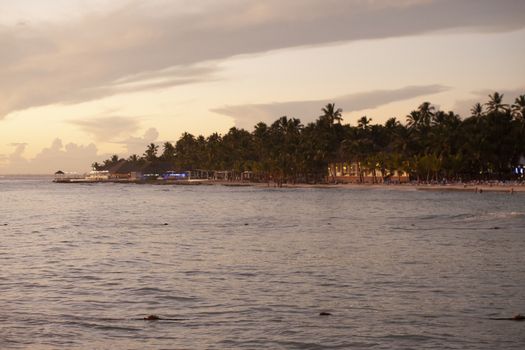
(433, 146)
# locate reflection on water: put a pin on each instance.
(253, 267)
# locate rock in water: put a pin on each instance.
(152, 318)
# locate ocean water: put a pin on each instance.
(252, 268)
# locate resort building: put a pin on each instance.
(122, 170)
(125, 170)
(356, 172)
(98, 175)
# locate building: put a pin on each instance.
(121, 170)
(356, 172)
(98, 175)
(61, 176)
(519, 169)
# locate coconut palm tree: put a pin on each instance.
(413, 120)
(518, 108)
(392, 123)
(168, 152)
(133, 158)
(496, 104)
(111, 161)
(426, 112)
(439, 118)
(213, 152)
(331, 114)
(477, 110)
(151, 152)
(363, 122)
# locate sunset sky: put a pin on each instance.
(83, 79)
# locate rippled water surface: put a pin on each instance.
(252, 268)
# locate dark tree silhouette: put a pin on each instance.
(432, 145)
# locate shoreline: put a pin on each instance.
(476, 188)
(420, 187)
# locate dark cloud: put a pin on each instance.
(65, 62)
(246, 116)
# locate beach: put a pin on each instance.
(459, 187)
(480, 188)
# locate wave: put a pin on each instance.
(458, 221)
(503, 215)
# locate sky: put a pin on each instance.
(81, 80)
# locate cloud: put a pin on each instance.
(137, 145)
(145, 45)
(16, 157)
(462, 107)
(106, 129)
(70, 157)
(246, 116)
(509, 94)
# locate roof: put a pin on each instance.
(125, 167)
(151, 167)
(157, 167)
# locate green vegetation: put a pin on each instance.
(432, 145)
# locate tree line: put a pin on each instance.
(431, 145)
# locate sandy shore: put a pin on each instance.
(405, 187)
(473, 188)
(479, 188)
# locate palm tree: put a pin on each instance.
(477, 110)
(331, 114)
(392, 123)
(238, 151)
(496, 104)
(169, 151)
(363, 122)
(213, 152)
(133, 158)
(261, 135)
(426, 112)
(284, 152)
(151, 152)
(413, 120)
(518, 108)
(439, 118)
